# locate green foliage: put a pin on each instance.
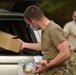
(58, 10)
(50, 7)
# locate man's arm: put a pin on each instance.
(72, 48)
(65, 34)
(64, 54)
(67, 29)
(33, 46)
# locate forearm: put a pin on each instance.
(33, 46)
(65, 34)
(58, 60)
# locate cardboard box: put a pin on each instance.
(9, 42)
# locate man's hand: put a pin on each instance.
(31, 46)
(22, 45)
(41, 69)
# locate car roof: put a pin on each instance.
(14, 9)
(17, 5)
(6, 15)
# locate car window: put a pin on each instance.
(22, 31)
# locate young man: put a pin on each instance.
(70, 34)
(53, 43)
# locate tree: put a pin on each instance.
(58, 10)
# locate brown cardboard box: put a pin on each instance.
(9, 42)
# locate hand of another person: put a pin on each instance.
(72, 48)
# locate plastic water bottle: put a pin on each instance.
(20, 67)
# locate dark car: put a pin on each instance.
(12, 22)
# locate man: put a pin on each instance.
(70, 34)
(70, 30)
(53, 43)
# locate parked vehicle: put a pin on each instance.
(11, 21)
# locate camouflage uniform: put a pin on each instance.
(70, 29)
(60, 70)
(73, 62)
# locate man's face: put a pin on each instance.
(74, 16)
(33, 24)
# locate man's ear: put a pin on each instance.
(34, 21)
